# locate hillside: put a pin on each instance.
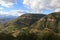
(51, 22)
(32, 27)
(24, 20)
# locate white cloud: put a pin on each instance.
(1, 8)
(40, 5)
(16, 12)
(7, 3)
(57, 10)
(12, 12)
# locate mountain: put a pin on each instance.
(50, 21)
(24, 20)
(35, 21)
(32, 27)
(46, 28)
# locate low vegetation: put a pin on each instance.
(32, 27)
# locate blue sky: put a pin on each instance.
(19, 5)
(27, 6)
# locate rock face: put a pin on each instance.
(51, 21)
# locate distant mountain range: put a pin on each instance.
(5, 18)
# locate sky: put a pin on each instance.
(19, 7)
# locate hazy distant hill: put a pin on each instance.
(5, 18)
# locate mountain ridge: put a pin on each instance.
(24, 20)
(50, 21)
(40, 27)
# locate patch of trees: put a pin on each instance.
(42, 35)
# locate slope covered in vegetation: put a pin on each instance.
(39, 27)
(24, 20)
(51, 22)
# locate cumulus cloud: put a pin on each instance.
(40, 5)
(7, 3)
(16, 12)
(57, 10)
(12, 13)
